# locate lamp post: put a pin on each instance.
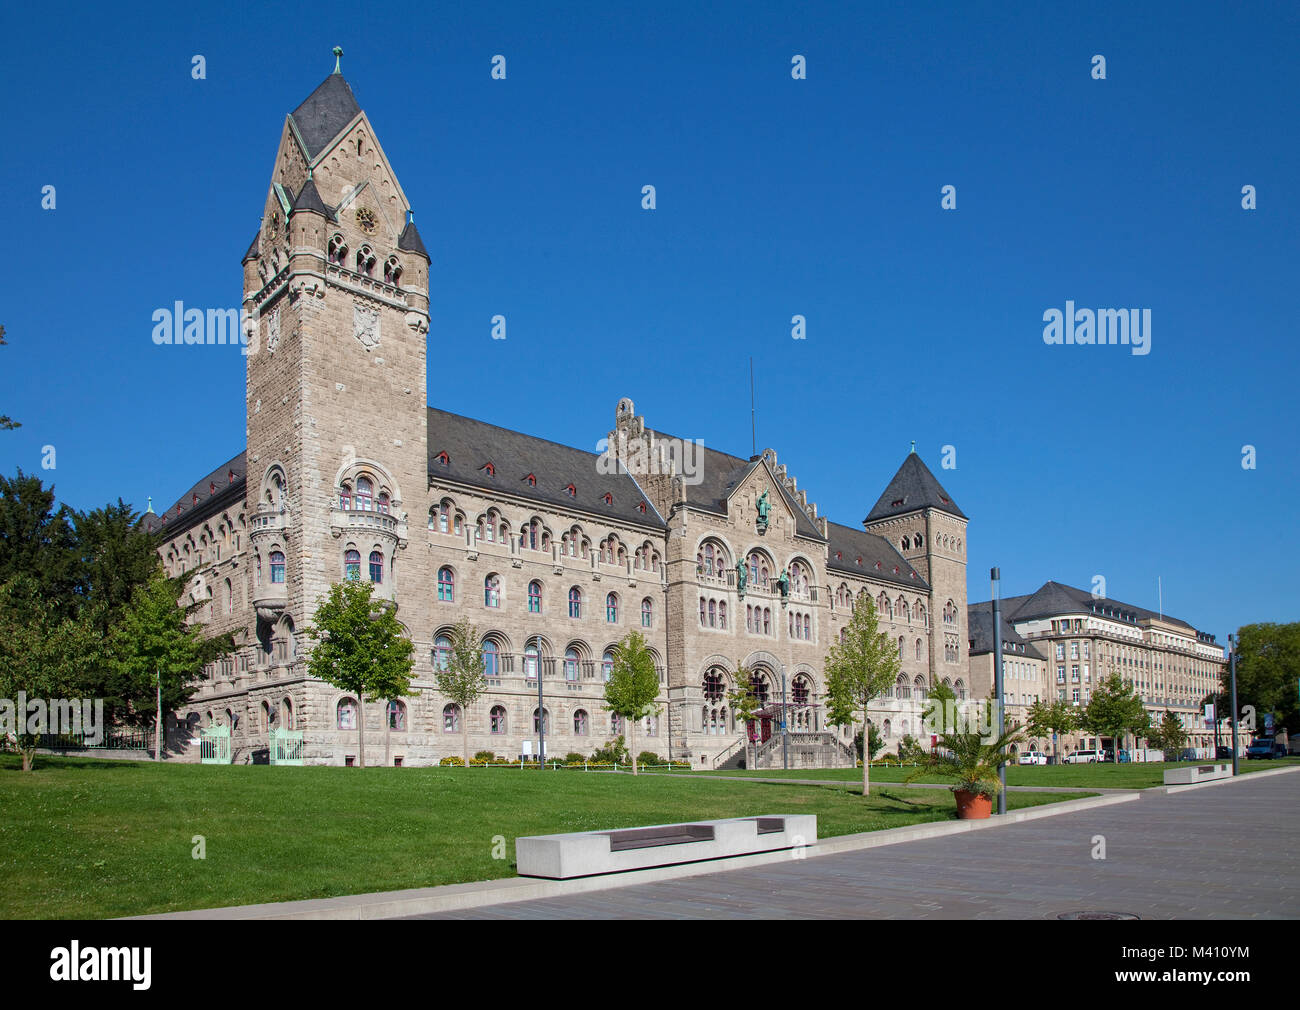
(785, 726)
(541, 714)
(1232, 672)
(995, 577)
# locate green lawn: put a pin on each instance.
(1097, 776)
(95, 839)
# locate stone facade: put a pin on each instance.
(554, 553)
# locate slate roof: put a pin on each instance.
(913, 487)
(470, 445)
(409, 240)
(851, 544)
(1055, 598)
(309, 199)
(215, 491)
(252, 249)
(325, 113)
(979, 618)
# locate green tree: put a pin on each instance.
(43, 655)
(941, 714)
(1168, 735)
(743, 699)
(633, 685)
(360, 648)
(116, 556)
(1115, 709)
(860, 668)
(874, 744)
(6, 423)
(39, 543)
(1268, 672)
(461, 681)
(1052, 719)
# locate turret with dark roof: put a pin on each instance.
(913, 488)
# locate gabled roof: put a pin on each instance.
(913, 487)
(325, 113)
(184, 512)
(979, 617)
(409, 240)
(851, 544)
(469, 444)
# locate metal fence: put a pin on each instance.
(286, 747)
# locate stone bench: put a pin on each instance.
(588, 853)
(1197, 773)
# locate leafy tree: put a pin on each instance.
(116, 556)
(1115, 709)
(1268, 669)
(360, 648)
(633, 684)
(743, 699)
(1168, 735)
(6, 423)
(859, 669)
(462, 682)
(874, 744)
(909, 749)
(151, 644)
(44, 655)
(39, 543)
(1052, 718)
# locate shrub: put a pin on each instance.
(453, 762)
(486, 757)
(574, 758)
(614, 752)
(649, 757)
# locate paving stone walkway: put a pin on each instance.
(1219, 852)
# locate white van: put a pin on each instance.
(1084, 757)
(1033, 757)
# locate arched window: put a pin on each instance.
(580, 722)
(606, 665)
(534, 597)
(713, 685)
(799, 691)
(900, 646)
(393, 272)
(347, 714)
(446, 585)
(441, 652)
(352, 565)
(545, 722)
(722, 614)
(451, 719)
(443, 510)
(767, 620)
(365, 261)
(647, 612)
(532, 656)
(397, 716)
(338, 250)
(713, 614)
(491, 658)
(286, 713)
(703, 612)
(492, 591)
(575, 602)
(919, 690)
(229, 596)
(571, 664)
(611, 608)
(919, 649)
(277, 566)
(959, 689)
(376, 567)
(365, 494)
(615, 723)
(903, 688)
(498, 719)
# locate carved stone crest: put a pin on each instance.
(273, 330)
(365, 326)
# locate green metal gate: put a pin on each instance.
(286, 747)
(214, 745)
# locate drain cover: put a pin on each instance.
(1097, 915)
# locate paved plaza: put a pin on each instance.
(1217, 852)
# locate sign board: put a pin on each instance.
(1209, 716)
(1268, 723)
(528, 748)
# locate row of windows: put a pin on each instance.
(395, 714)
(492, 597)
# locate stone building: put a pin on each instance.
(1065, 641)
(554, 552)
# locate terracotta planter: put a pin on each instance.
(972, 806)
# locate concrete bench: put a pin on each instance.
(588, 853)
(1197, 773)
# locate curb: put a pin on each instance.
(455, 897)
(1242, 777)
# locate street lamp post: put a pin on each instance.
(995, 577)
(785, 727)
(1232, 669)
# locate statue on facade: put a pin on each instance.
(783, 583)
(764, 507)
(742, 578)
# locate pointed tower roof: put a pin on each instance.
(325, 113)
(913, 487)
(309, 199)
(409, 240)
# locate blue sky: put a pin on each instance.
(776, 197)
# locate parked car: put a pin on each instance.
(1222, 753)
(1083, 757)
(1265, 747)
(1033, 757)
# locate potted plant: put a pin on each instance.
(973, 762)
